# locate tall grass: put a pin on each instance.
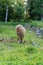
(12, 53)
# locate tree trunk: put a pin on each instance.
(6, 14)
(42, 12)
(41, 17)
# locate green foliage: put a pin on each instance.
(15, 11)
(35, 9)
(3, 5)
(19, 11)
(35, 23)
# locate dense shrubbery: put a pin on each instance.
(35, 9)
(15, 11)
(20, 11)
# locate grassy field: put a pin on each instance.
(12, 53)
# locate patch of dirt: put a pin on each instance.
(5, 40)
(8, 40)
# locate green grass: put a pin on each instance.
(12, 53)
(35, 23)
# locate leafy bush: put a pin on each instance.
(15, 12)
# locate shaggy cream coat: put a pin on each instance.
(20, 30)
